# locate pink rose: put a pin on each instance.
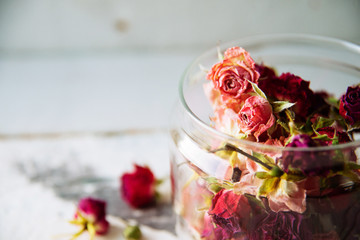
(138, 187)
(256, 116)
(239, 54)
(231, 75)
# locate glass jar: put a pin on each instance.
(214, 200)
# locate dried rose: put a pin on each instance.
(213, 232)
(101, 226)
(308, 161)
(231, 75)
(239, 54)
(266, 73)
(92, 209)
(209, 230)
(256, 116)
(90, 216)
(289, 87)
(282, 225)
(234, 214)
(331, 133)
(319, 105)
(138, 187)
(350, 105)
(302, 141)
(337, 137)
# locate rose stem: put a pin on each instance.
(229, 147)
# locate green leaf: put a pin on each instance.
(91, 229)
(76, 235)
(264, 158)
(159, 182)
(353, 166)
(220, 56)
(276, 172)
(307, 127)
(269, 185)
(215, 184)
(350, 174)
(353, 127)
(323, 137)
(293, 175)
(322, 122)
(279, 106)
(333, 102)
(262, 175)
(283, 125)
(257, 90)
(215, 188)
(211, 180)
(254, 201)
(203, 69)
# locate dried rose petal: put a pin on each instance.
(138, 187)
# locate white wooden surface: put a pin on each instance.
(41, 181)
(96, 92)
(71, 25)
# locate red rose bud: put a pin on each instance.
(350, 105)
(101, 226)
(92, 209)
(90, 216)
(138, 187)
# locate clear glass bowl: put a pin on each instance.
(210, 202)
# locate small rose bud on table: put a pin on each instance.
(90, 216)
(138, 188)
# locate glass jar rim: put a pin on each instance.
(260, 38)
